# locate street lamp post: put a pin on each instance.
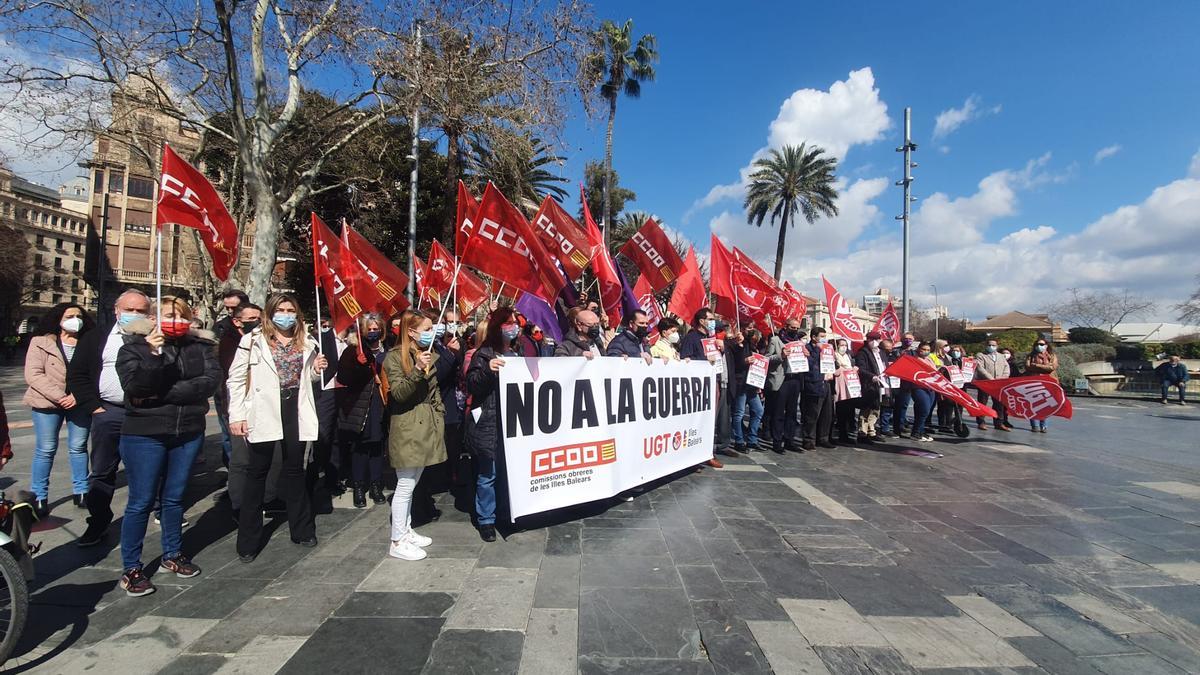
(908, 149)
(936, 313)
(412, 186)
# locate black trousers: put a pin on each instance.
(299, 509)
(723, 427)
(818, 417)
(105, 461)
(847, 418)
(329, 453)
(785, 413)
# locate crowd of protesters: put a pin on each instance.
(411, 403)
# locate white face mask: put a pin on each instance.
(72, 324)
(673, 338)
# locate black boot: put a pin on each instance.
(360, 495)
(41, 509)
(377, 493)
(79, 500)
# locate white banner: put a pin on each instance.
(577, 430)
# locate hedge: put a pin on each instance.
(1150, 350)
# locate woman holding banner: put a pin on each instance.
(483, 414)
(744, 395)
(667, 344)
(360, 409)
(922, 399)
(417, 427)
(846, 392)
(1041, 361)
(272, 401)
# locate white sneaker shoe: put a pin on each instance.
(406, 551)
(417, 539)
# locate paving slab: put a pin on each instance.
(494, 599)
(551, 642)
(146, 645)
(947, 642)
(785, 648)
(831, 623)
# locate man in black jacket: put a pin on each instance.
(631, 342)
(704, 325)
(584, 337)
(870, 360)
(816, 398)
(231, 299)
(92, 378)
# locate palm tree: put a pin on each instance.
(789, 180)
(520, 166)
(623, 66)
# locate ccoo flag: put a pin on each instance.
(185, 197)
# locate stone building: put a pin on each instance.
(57, 238)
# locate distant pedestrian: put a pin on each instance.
(871, 362)
(53, 404)
(1172, 373)
(990, 364)
(1041, 361)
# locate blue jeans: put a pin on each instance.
(485, 490)
(922, 404)
(739, 412)
(46, 425)
(149, 462)
(1037, 424)
(1166, 389)
(900, 399)
(885, 419)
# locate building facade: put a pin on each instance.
(57, 238)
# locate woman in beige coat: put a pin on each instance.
(46, 374)
(416, 431)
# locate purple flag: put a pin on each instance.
(629, 301)
(540, 314)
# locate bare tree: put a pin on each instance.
(1189, 310)
(1098, 309)
(196, 61)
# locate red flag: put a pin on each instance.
(649, 304)
(439, 273)
(797, 305)
(1034, 397)
(841, 321)
(720, 273)
(603, 267)
(652, 252)
(423, 294)
(688, 297)
(504, 244)
(923, 374)
(472, 292)
(888, 325)
(464, 223)
(389, 281)
(564, 237)
(185, 197)
(346, 292)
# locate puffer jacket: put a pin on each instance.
(359, 388)
(45, 373)
(417, 428)
(574, 344)
(482, 433)
(167, 393)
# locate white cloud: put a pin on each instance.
(949, 120)
(1106, 152)
(1194, 168)
(850, 113)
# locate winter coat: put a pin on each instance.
(1172, 374)
(626, 344)
(991, 366)
(45, 373)
(777, 365)
(662, 349)
(482, 433)
(357, 393)
(868, 370)
(574, 344)
(1044, 363)
(692, 346)
(83, 372)
(254, 391)
(814, 383)
(416, 431)
(449, 363)
(167, 393)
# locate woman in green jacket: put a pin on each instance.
(416, 430)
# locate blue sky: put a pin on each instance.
(1050, 84)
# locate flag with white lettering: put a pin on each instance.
(389, 280)
(464, 223)
(924, 375)
(1034, 397)
(888, 325)
(564, 237)
(841, 321)
(504, 245)
(655, 256)
(185, 197)
(347, 293)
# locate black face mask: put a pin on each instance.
(593, 332)
(641, 332)
(249, 326)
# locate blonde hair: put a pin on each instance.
(299, 334)
(410, 320)
(182, 309)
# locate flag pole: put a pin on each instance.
(442, 312)
(317, 295)
(158, 277)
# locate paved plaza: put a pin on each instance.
(1076, 551)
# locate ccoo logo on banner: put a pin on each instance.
(576, 430)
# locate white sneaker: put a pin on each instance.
(406, 551)
(417, 539)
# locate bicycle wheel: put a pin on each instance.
(14, 604)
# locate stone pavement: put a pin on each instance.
(1076, 551)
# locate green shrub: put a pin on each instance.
(1019, 341)
(1068, 371)
(1085, 335)
(1083, 353)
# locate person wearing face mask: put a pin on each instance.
(786, 402)
(923, 400)
(245, 319)
(167, 371)
(360, 409)
(870, 363)
(990, 364)
(272, 402)
(902, 396)
(1041, 361)
(631, 341)
(704, 324)
(816, 400)
(951, 356)
(435, 479)
(53, 404)
(667, 345)
(482, 421)
(845, 417)
(327, 456)
(887, 353)
(584, 337)
(747, 408)
(93, 381)
(775, 374)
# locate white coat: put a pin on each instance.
(254, 390)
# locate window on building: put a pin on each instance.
(75, 266)
(41, 240)
(137, 259)
(58, 243)
(58, 263)
(116, 181)
(38, 260)
(57, 282)
(98, 182)
(54, 220)
(142, 188)
(56, 298)
(37, 279)
(137, 221)
(78, 247)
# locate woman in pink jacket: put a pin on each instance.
(46, 374)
